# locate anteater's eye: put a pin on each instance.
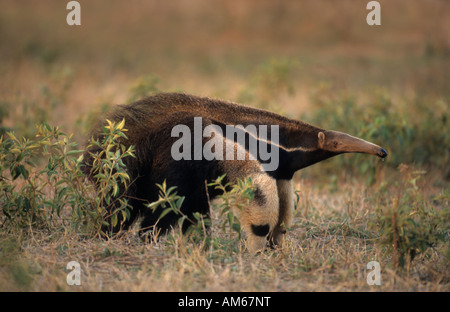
(335, 143)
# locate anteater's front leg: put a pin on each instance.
(286, 211)
(260, 218)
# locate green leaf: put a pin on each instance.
(230, 217)
(236, 227)
(170, 190)
(114, 219)
(74, 152)
(165, 212)
(180, 202)
(125, 214)
(115, 189)
(154, 205)
(20, 157)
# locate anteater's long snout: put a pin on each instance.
(382, 153)
(340, 142)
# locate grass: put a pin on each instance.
(387, 85)
(326, 249)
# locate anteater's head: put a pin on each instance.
(339, 142)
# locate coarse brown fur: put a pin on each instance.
(149, 123)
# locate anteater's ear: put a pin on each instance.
(321, 136)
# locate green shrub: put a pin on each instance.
(110, 176)
(410, 224)
(169, 201)
(33, 194)
(42, 185)
(233, 197)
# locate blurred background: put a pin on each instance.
(315, 60)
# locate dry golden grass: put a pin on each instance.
(327, 249)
